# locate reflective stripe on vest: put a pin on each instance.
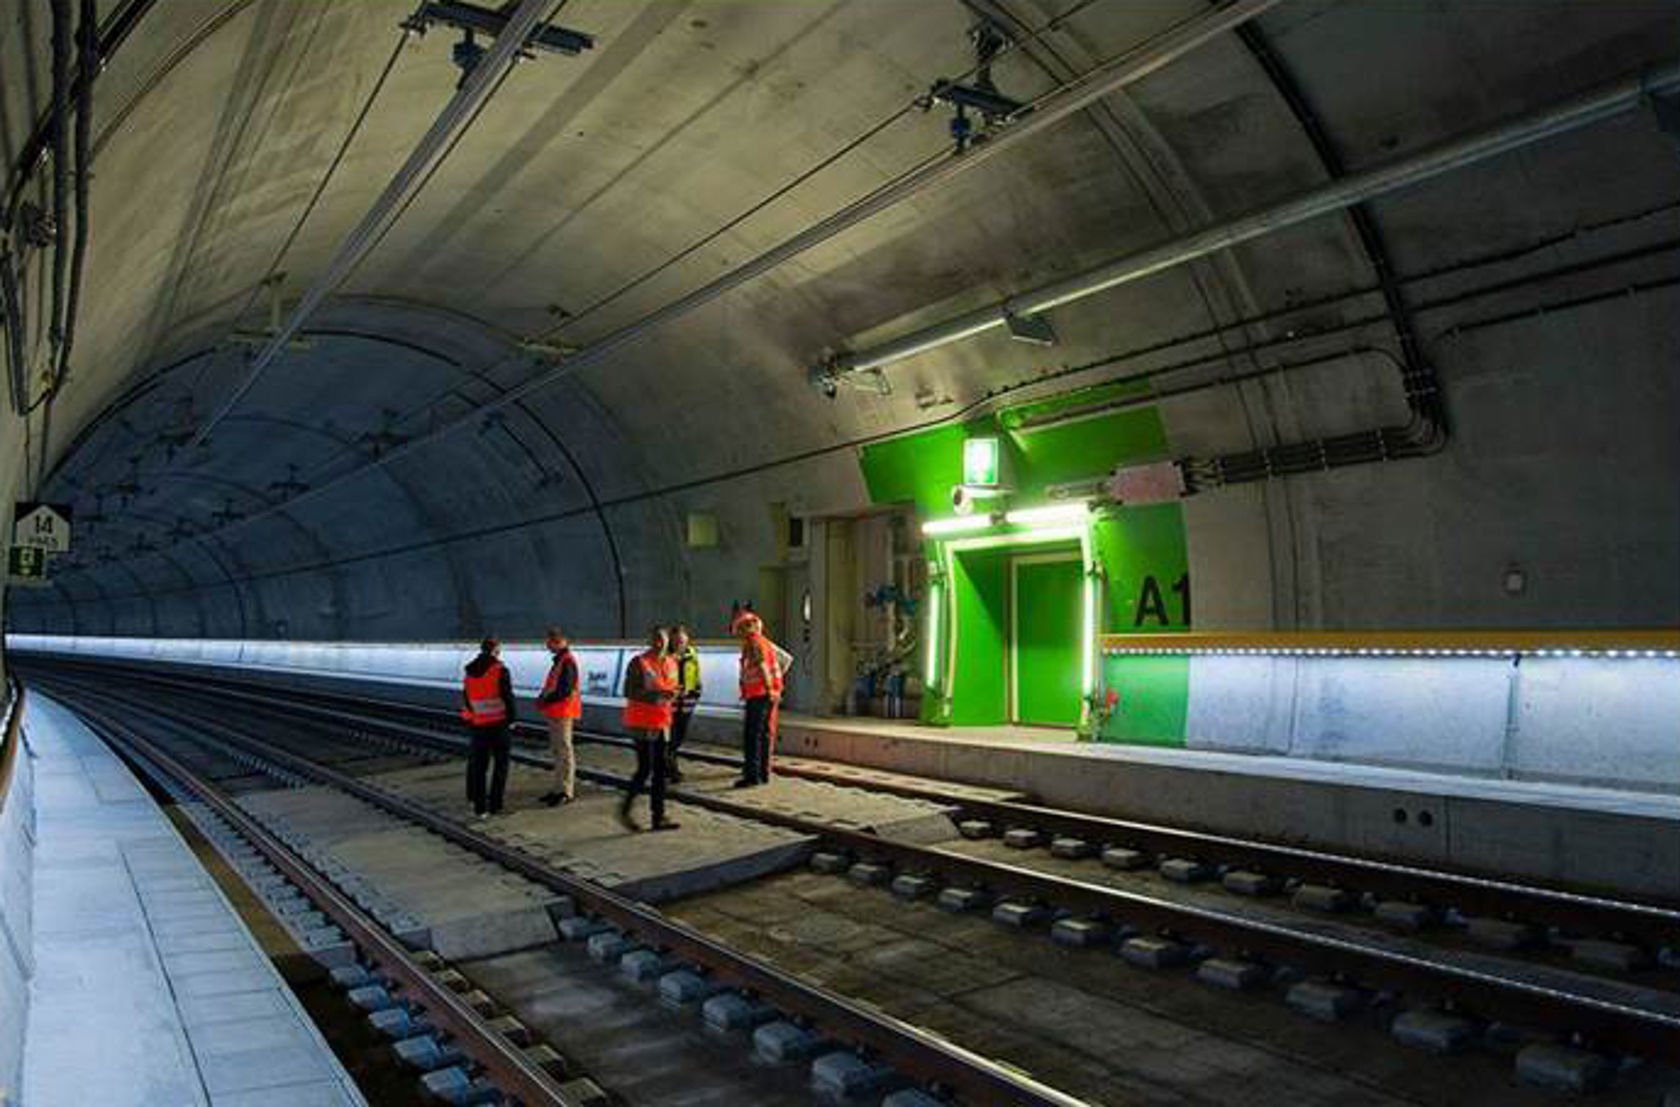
(485, 706)
(569, 708)
(642, 715)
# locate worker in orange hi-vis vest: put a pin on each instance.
(761, 692)
(561, 703)
(650, 687)
(487, 707)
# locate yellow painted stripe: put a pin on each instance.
(1515, 641)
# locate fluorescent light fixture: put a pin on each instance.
(1088, 641)
(964, 524)
(930, 668)
(1053, 515)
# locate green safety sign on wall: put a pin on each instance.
(982, 462)
(26, 565)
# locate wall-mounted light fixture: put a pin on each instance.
(962, 524)
(1053, 515)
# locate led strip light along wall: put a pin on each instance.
(1622, 645)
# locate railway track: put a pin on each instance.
(510, 1064)
(917, 1055)
(1613, 1015)
(1435, 892)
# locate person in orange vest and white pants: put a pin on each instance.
(650, 688)
(487, 707)
(761, 692)
(561, 702)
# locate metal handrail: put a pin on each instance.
(9, 736)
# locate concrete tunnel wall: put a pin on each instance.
(1555, 357)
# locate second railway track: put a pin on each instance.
(1614, 1015)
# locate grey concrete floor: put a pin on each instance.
(148, 989)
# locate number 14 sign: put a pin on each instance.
(40, 526)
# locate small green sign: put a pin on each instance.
(26, 563)
(981, 462)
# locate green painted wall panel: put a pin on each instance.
(1048, 597)
(979, 689)
(1154, 698)
(1142, 551)
(1089, 447)
(918, 468)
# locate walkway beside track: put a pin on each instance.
(148, 987)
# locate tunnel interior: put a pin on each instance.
(609, 357)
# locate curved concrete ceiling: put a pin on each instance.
(593, 190)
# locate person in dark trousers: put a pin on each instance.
(487, 707)
(761, 690)
(688, 697)
(561, 703)
(650, 687)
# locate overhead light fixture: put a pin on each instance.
(1052, 515)
(965, 524)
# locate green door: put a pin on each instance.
(1044, 657)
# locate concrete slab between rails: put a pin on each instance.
(852, 808)
(585, 839)
(412, 880)
(1614, 840)
(148, 987)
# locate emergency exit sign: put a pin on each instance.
(982, 462)
(26, 565)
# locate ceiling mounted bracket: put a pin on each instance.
(272, 285)
(832, 373)
(471, 19)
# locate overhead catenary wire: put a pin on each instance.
(1142, 60)
(327, 176)
(1041, 113)
(477, 87)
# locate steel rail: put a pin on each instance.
(912, 1051)
(506, 1063)
(1656, 924)
(1610, 1014)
